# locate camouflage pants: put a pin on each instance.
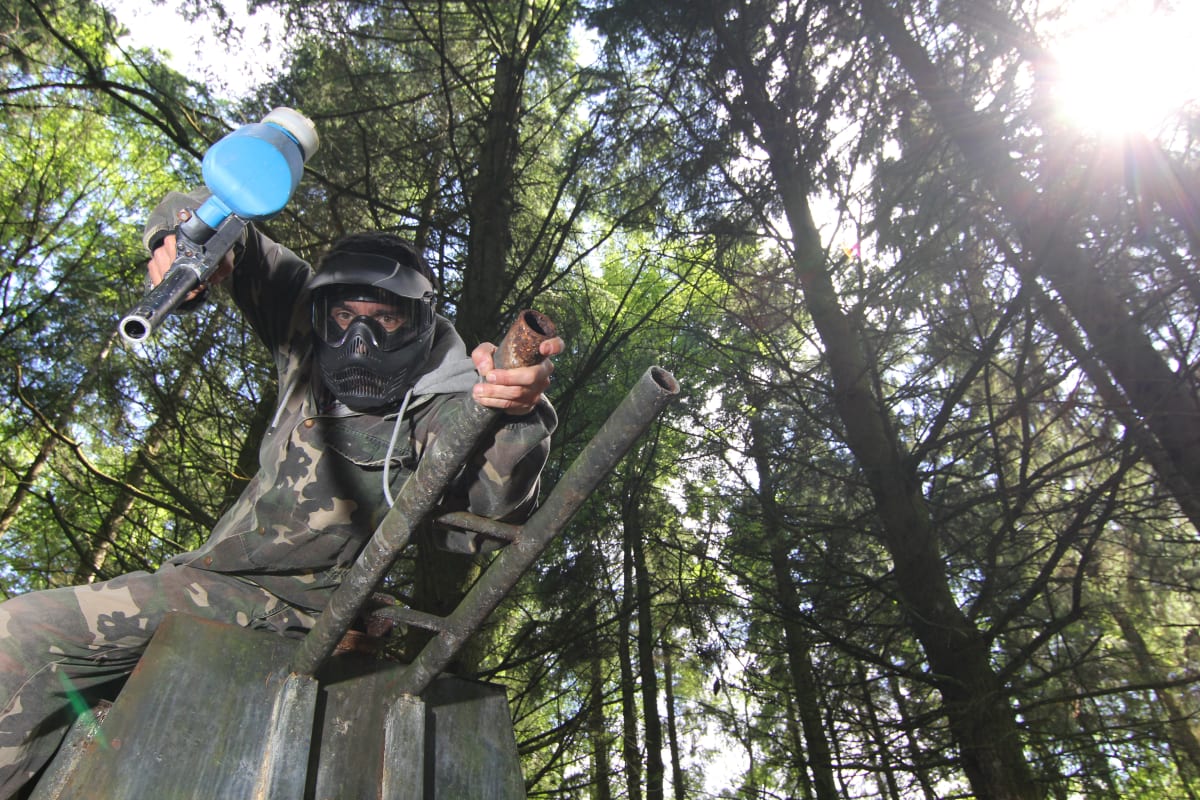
(82, 641)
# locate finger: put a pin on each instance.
(161, 260)
(503, 387)
(506, 398)
(527, 392)
(482, 357)
(537, 376)
(488, 394)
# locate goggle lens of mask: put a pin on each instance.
(392, 321)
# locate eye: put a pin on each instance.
(390, 322)
(342, 316)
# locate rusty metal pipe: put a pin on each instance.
(417, 498)
(610, 444)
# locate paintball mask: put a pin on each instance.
(373, 320)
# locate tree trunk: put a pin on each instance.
(651, 721)
(915, 751)
(1052, 315)
(1183, 742)
(597, 729)
(490, 210)
(629, 715)
(808, 703)
(1176, 192)
(803, 780)
(444, 578)
(1164, 400)
(888, 786)
(796, 639)
(974, 699)
(677, 779)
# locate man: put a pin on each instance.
(368, 372)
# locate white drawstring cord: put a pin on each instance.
(387, 461)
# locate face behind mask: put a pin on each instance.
(373, 320)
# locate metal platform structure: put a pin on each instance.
(217, 712)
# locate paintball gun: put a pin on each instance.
(251, 173)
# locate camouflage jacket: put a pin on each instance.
(318, 494)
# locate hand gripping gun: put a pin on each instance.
(251, 173)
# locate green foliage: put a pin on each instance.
(676, 203)
(88, 146)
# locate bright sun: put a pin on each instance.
(1129, 66)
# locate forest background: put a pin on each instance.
(923, 523)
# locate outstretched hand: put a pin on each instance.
(164, 256)
(514, 391)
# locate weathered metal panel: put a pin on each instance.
(210, 715)
(285, 754)
(372, 740)
(347, 742)
(475, 752)
(404, 751)
(192, 723)
(80, 739)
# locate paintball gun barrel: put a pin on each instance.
(252, 173)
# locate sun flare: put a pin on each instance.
(1129, 67)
